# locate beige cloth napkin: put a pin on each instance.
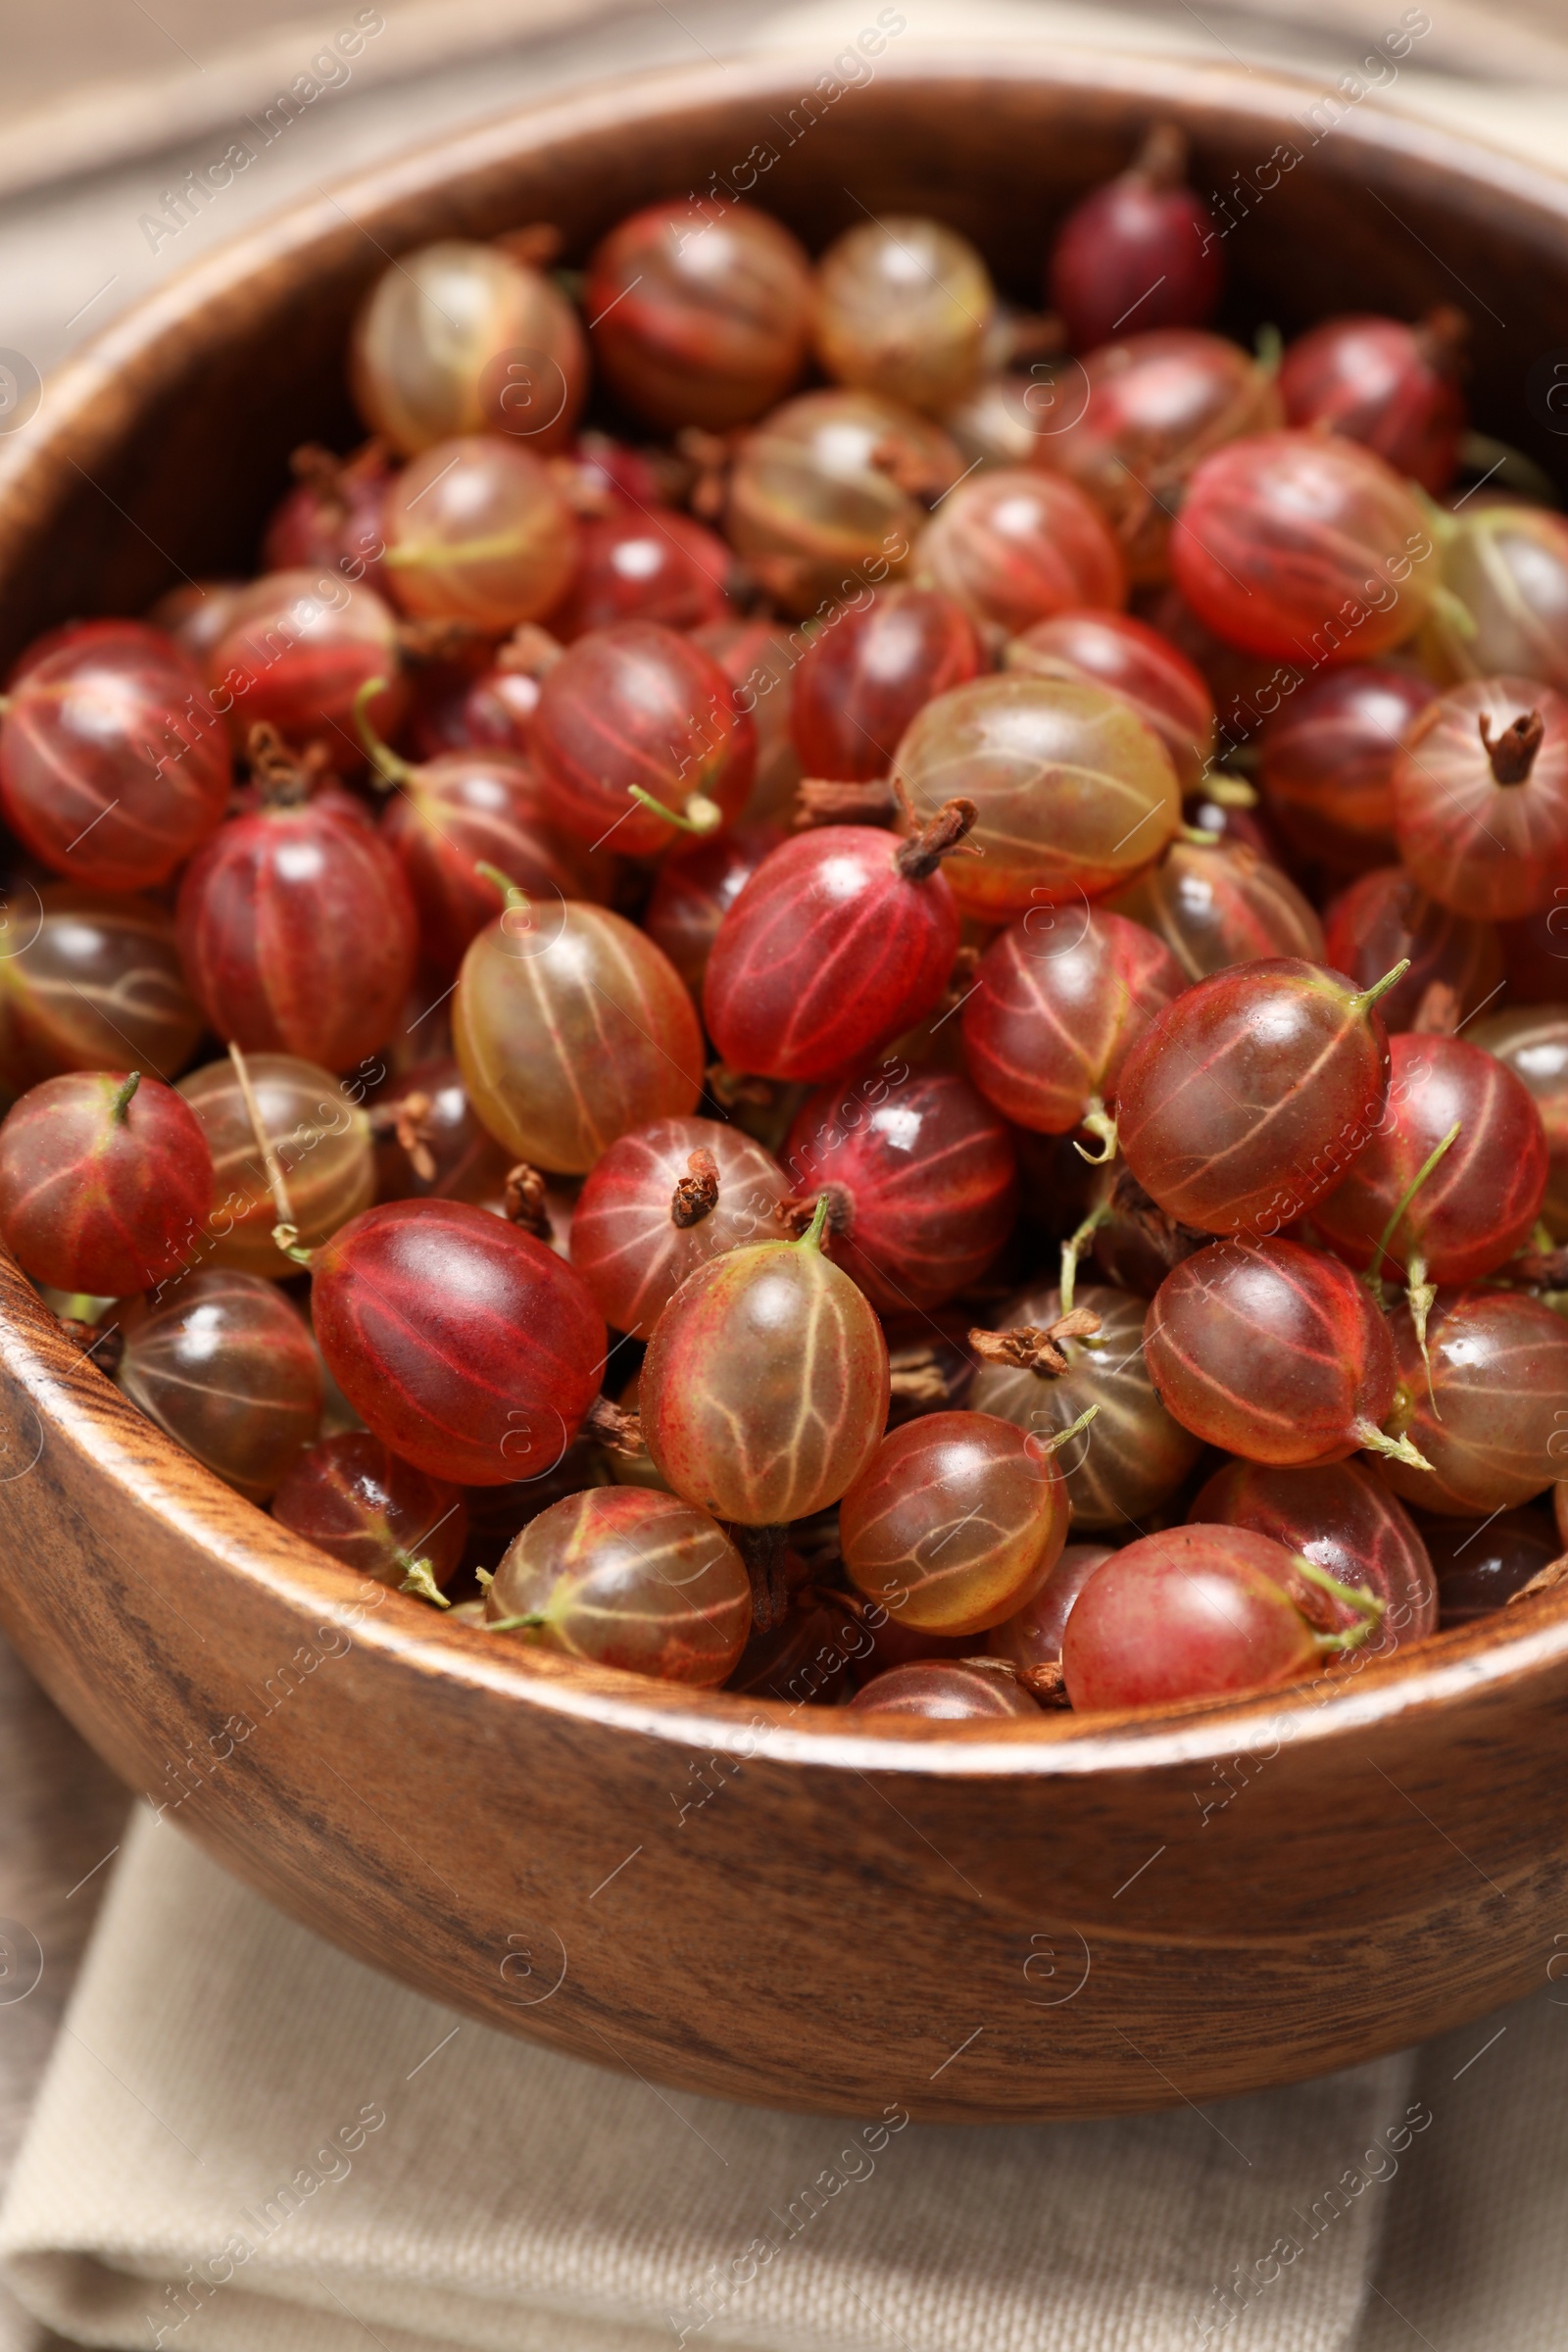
(249, 2143)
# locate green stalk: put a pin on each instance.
(389, 768)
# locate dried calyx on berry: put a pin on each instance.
(1036, 1347)
(285, 778)
(1512, 754)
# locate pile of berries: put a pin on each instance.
(697, 1049)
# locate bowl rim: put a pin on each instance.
(82, 407)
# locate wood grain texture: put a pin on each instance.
(785, 1905)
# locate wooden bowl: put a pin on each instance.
(787, 1905)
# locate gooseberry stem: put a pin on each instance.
(1098, 1121)
(120, 1109)
(701, 816)
(812, 1238)
(511, 1625)
(264, 1143)
(389, 768)
(1364, 999)
(1405, 1198)
(1072, 1249)
(1056, 1444)
(1367, 1605)
(419, 1579)
(1512, 754)
(1229, 792)
(1201, 836)
(511, 893)
(1397, 1449)
(1268, 349)
(286, 1239)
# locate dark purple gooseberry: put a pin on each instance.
(354, 1499)
(1141, 252)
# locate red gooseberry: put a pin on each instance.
(651, 563)
(1340, 1515)
(1031, 1636)
(297, 930)
(1140, 249)
(361, 1505)
(1197, 1612)
(696, 887)
(96, 977)
(1304, 547)
(113, 765)
(921, 1184)
(295, 649)
(699, 311)
(458, 707)
(1533, 1045)
(1057, 1002)
(429, 1146)
(620, 1577)
(1485, 1400)
(1216, 904)
(225, 1365)
(1112, 649)
(1016, 545)
(465, 1346)
(662, 1201)
(1275, 1353)
(764, 1389)
(1481, 797)
(1250, 1096)
(945, 1690)
(477, 531)
(105, 1181)
(638, 736)
(1393, 387)
(1328, 757)
(1452, 962)
(331, 519)
(868, 672)
(840, 939)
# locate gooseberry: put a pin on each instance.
(905, 307)
(1328, 757)
(1031, 1637)
(758, 658)
(477, 531)
(1217, 904)
(1534, 1046)
(1480, 1564)
(1016, 545)
(429, 1146)
(945, 1692)
(95, 978)
(104, 1179)
(695, 890)
(1507, 566)
(1484, 1397)
(1481, 797)
(113, 767)
(359, 1504)
(1391, 387)
(320, 1137)
(1153, 677)
(662, 1201)
(653, 565)
(1143, 249)
(465, 1346)
(1341, 1516)
(1383, 919)
(224, 1365)
(296, 650)
(867, 673)
(331, 521)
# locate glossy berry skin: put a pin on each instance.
(331, 519)
(1017, 545)
(922, 1184)
(1031, 1637)
(1152, 406)
(295, 649)
(639, 1227)
(1154, 677)
(696, 889)
(466, 1162)
(640, 705)
(867, 673)
(358, 1503)
(830, 950)
(826, 495)
(904, 308)
(1507, 564)
(758, 659)
(465, 1346)
(87, 979)
(1304, 547)
(701, 313)
(764, 1389)
(1057, 1002)
(1491, 1425)
(1383, 919)
(1074, 793)
(457, 707)
(298, 934)
(104, 1185)
(571, 1028)
(955, 1521)
(1489, 849)
(637, 1581)
(1482, 1563)
(1134, 1457)
(1327, 763)
(650, 564)
(1343, 1518)
(944, 1691)
(1481, 1201)
(476, 530)
(1197, 1612)
(1272, 1351)
(1534, 1046)
(1218, 903)
(459, 337)
(226, 1366)
(322, 1141)
(463, 810)
(1247, 1098)
(1143, 242)
(1390, 386)
(113, 765)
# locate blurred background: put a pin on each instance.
(107, 105)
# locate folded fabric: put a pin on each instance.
(248, 2142)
